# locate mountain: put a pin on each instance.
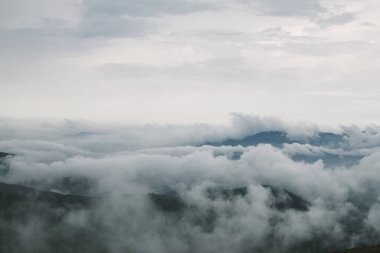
(278, 138)
(274, 138)
(42, 221)
(35, 221)
(364, 249)
(46, 214)
(3, 155)
(13, 195)
(4, 166)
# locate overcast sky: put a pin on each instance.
(182, 61)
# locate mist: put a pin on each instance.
(181, 188)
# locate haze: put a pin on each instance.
(185, 61)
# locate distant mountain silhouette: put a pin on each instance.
(278, 138)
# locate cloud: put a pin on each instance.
(373, 217)
(288, 8)
(20, 14)
(338, 19)
(123, 163)
(144, 7)
(163, 59)
(113, 27)
(233, 70)
(135, 49)
(119, 18)
(64, 27)
(327, 48)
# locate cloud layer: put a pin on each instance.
(122, 163)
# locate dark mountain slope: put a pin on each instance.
(364, 249)
(39, 221)
(4, 166)
(3, 155)
(12, 195)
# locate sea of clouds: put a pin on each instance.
(124, 163)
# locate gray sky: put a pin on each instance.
(182, 61)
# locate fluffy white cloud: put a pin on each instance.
(120, 163)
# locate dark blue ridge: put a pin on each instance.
(330, 160)
(278, 138)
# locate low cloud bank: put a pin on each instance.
(122, 165)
